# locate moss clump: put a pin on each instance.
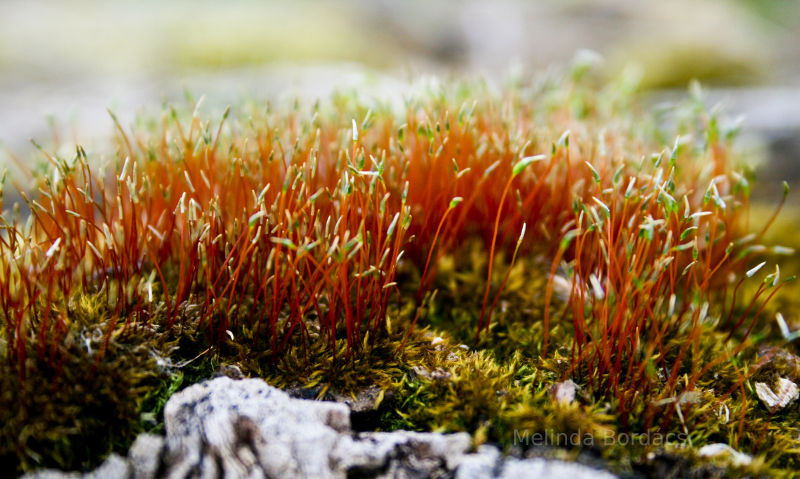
(74, 404)
(461, 390)
(466, 257)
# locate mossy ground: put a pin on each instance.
(441, 380)
(439, 375)
(503, 394)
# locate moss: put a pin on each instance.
(70, 412)
(676, 64)
(500, 391)
(460, 329)
(151, 407)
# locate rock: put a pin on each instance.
(726, 453)
(486, 462)
(52, 474)
(489, 463)
(114, 466)
(785, 392)
(249, 429)
(400, 454)
(145, 455)
(564, 392)
(438, 374)
(538, 467)
(230, 370)
(225, 428)
(365, 400)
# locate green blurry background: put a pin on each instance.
(62, 63)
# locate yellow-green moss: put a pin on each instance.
(441, 375)
(71, 417)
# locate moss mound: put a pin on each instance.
(546, 266)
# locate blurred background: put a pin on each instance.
(62, 63)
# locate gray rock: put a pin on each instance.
(366, 400)
(145, 455)
(423, 453)
(249, 429)
(225, 428)
(52, 474)
(538, 467)
(726, 454)
(486, 462)
(114, 466)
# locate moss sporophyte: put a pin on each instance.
(464, 255)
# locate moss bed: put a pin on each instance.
(469, 255)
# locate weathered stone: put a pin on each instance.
(538, 467)
(725, 453)
(52, 474)
(564, 392)
(219, 418)
(114, 466)
(227, 428)
(421, 451)
(145, 456)
(784, 393)
(365, 400)
(486, 462)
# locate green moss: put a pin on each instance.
(500, 391)
(151, 408)
(70, 415)
(435, 371)
(675, 65)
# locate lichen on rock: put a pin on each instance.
(248, 429)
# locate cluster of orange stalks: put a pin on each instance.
(289, 225)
